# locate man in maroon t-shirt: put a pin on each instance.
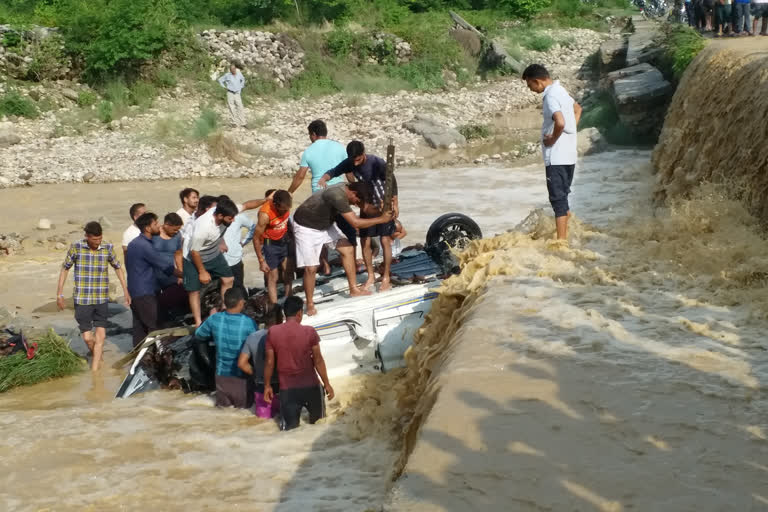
(299, 361)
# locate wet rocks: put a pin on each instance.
(436, 133)
(590, 141)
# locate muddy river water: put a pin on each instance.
(564, 356)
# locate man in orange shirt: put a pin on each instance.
(271, 243)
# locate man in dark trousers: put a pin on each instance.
(142, 261)
(299, 361)
(372, 170)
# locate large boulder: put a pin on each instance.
(590, 141)
(642, 47)
(8, 138)
(436, 133)
(641, 102)
(612, 54)
(609, 79)
(497, 57)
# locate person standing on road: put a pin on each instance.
(299, 361)
(143, 263)
(233, 82)
(189, 198)
(90, 257)
(561, 117)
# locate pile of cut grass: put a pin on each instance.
(54, 359)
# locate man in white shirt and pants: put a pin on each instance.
(233, 82)
(558, 137)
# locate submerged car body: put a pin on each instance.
(358, 334)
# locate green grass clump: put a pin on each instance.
(599, 112)
(475, 131)
(14, 104)
(86, 98)
(680, 44)
(142, 93)
(539, 43)
(54, 359)
(206, 124)
(106, 112)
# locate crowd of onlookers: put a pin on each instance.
(728, 17)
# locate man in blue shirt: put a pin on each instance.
(141, 261)
(229, 330)
(370, 169)
(233, 82)
(322, 155)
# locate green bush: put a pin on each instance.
(164, 78)
(475, 131)
(680, 44)
(423, 73)
(343, 42)
(117, 36)
(315, 80)
(525, 9)
(206, 123)
(539, 43)
(142, 93)
(47, 58)
(599, 112)
(14, 104)
(106, 112)
(86, 98)
(117, 93)
(11, 39)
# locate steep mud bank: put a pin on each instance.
(716, 129)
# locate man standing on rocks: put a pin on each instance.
(189, 198)
(561, 117)
(131, 232)
(372, 170)
(233, 82)
(143, 263)
(314, 227)
(90, 257)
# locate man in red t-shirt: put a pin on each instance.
(299, 361)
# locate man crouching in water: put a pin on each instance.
(299, 361)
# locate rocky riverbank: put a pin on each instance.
(150, 145)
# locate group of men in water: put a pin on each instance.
(168, 263)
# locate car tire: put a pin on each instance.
(454, 230)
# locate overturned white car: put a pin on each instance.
(358, 334)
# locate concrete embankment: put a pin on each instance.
(627, 371)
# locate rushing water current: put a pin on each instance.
(626, 371)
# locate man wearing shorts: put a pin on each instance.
(372, 170)
(314, 227)
(90, 257)
(299, 361)
(205, 260)
(760, 12)
(270, 240)
(229, 330)
(561, 117)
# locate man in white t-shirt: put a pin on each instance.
(132, 232)
(558, 140)
(189, 198)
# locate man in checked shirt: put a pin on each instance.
(370, 169)
(90, 257)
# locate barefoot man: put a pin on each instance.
(270, 241)
(561, 117)
(90, 257)
(372, 170)
(314, 227)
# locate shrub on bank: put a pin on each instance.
(680, 44)
(14, 104)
